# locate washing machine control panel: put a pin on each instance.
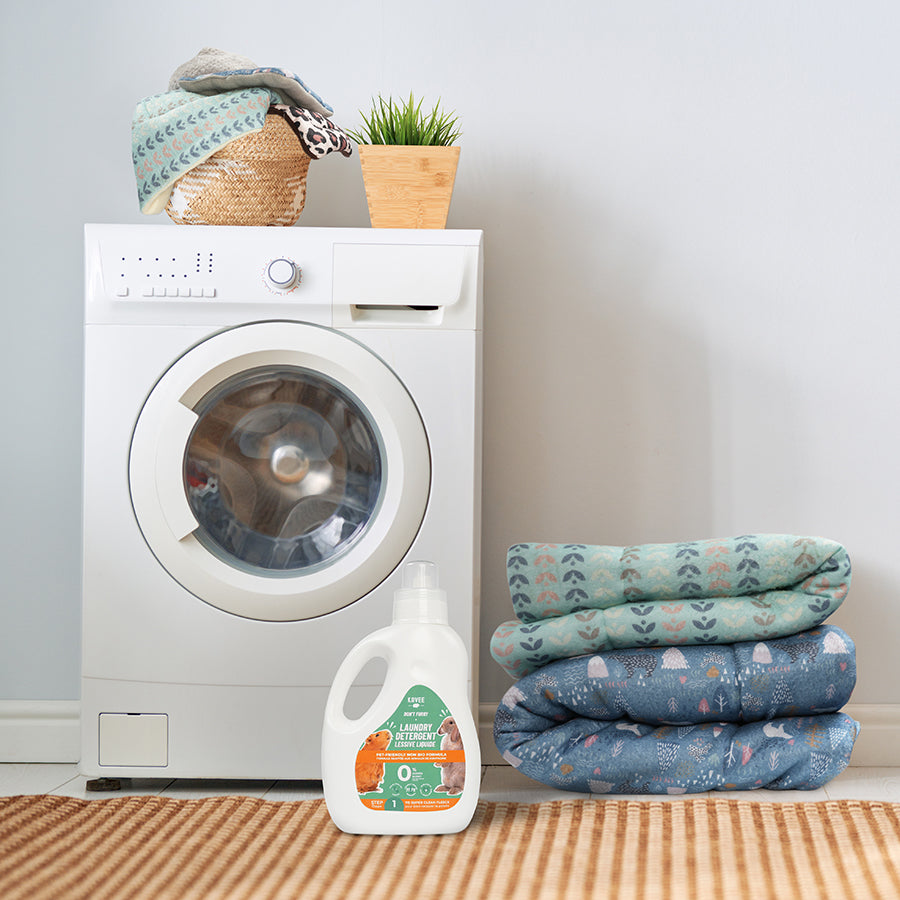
(334, 277)
(172, 269)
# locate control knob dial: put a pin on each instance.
(282, 274)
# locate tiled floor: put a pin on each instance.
(498, 783)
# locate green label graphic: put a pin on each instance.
(415, 760)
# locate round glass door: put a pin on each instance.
(283, 470)
(279, 470)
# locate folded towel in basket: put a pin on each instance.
(573, 599)
(214, 71)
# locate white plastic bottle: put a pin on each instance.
(411, 763)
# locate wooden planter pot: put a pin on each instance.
(408, 186)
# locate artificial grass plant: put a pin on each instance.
(404, 122)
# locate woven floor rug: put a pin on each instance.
(237, 847)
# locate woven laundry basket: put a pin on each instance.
(257, 179)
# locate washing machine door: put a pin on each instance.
(279, 470)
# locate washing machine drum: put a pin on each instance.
(279, 470)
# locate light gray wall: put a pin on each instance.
(692, 218)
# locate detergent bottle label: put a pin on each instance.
(415, 761)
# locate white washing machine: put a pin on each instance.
(275, 420)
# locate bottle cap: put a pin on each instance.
(419, 598)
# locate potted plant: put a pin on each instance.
(408, 160)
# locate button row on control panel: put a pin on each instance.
(171, 292)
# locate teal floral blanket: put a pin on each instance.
(573, 599)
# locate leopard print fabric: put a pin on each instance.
(318, 136)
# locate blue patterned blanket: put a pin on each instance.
(624, 757)
(678, 720)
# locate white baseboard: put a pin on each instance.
(878, 743)
(48, 731)
(39, 731)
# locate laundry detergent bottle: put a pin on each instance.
(411, 763)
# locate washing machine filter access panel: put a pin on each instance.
(275, 421)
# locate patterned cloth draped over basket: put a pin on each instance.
(673, 668)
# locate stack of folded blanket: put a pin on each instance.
(213, 99)
(677, 668)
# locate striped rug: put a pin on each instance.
(237, 847)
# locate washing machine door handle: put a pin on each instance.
(175, 431)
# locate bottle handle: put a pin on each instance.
(371, 647)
